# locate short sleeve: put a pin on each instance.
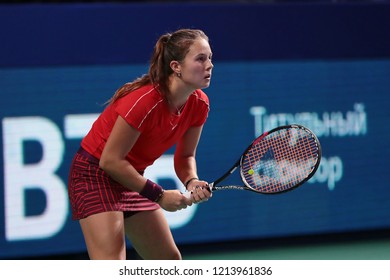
(202, 108)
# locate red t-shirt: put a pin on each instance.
(145, 110)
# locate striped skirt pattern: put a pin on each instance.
(92, 191)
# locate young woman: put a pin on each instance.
(108, 193)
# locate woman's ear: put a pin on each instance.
(176, 67)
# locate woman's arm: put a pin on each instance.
(113, 161)
(185, 164)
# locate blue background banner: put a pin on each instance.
(323, 66)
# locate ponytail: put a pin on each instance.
(169, 47)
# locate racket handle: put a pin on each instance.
(188, 194)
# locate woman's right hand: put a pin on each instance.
(174, 200)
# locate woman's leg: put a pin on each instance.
(151, 236)
(104, 236)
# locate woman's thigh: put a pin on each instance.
(104, 235)
(150, 235)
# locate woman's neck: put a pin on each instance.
(178, 93)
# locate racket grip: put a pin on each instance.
(187, 195)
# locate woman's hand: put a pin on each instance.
(200, 191)
(173, 200)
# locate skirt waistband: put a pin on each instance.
(86, 154)
(83, 152)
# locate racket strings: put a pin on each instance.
(280, 161)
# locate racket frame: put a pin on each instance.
(213, 186)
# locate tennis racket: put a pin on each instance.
(279, 160)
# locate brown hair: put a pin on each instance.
(170, 46)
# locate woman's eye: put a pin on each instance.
(203, 58)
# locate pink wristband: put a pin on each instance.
(152, 191)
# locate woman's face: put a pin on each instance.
(196, 67)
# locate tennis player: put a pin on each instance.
(108, 193)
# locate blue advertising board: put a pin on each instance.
(54, 82)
